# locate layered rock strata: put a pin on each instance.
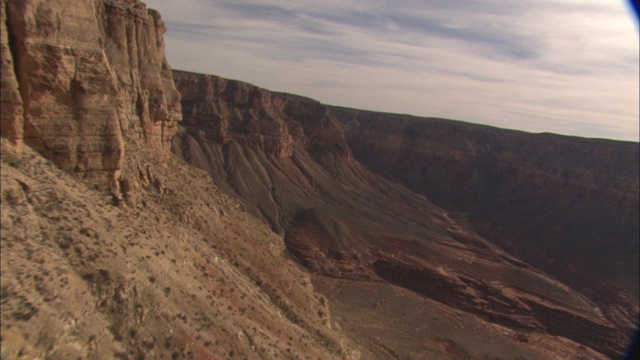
(243, 136)
(566, 204)
(274, 123)
(81, 79)
(183, 271)
(11, 116)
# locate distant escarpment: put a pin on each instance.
(352, 209)
(274, 123)
(565, 204)
(81, 80)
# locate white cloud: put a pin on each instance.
(563, 66)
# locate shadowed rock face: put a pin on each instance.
(566, 205)
(510, 206)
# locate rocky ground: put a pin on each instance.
(185, 273)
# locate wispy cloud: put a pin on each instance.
(564, 66)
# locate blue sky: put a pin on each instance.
(561, 66)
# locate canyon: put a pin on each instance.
(470, 216)
(156, 213)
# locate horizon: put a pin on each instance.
(558, 67)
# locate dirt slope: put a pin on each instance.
(184, 274)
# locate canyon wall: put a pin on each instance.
(567, 204)
(470, 227)
(297, 164)
(275, 123)
(260, 146)
(82, 79)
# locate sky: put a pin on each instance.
(561, 66)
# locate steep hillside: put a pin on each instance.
(288, 159)
(185, 274)
(111, 247)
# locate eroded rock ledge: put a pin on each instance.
(227, 110)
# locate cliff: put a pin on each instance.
(82, 79)
(236, 132)
(274, 123)
(566, 204)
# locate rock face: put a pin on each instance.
(257, 144)
(83, 78)
(350, 226)
(11, 107)
(233, 111)
(567, 205)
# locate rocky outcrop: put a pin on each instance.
(149, 104)
(84, 78)
(11, 115)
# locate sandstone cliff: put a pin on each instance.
(235, 131)
(81, 79)
(274, 123)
